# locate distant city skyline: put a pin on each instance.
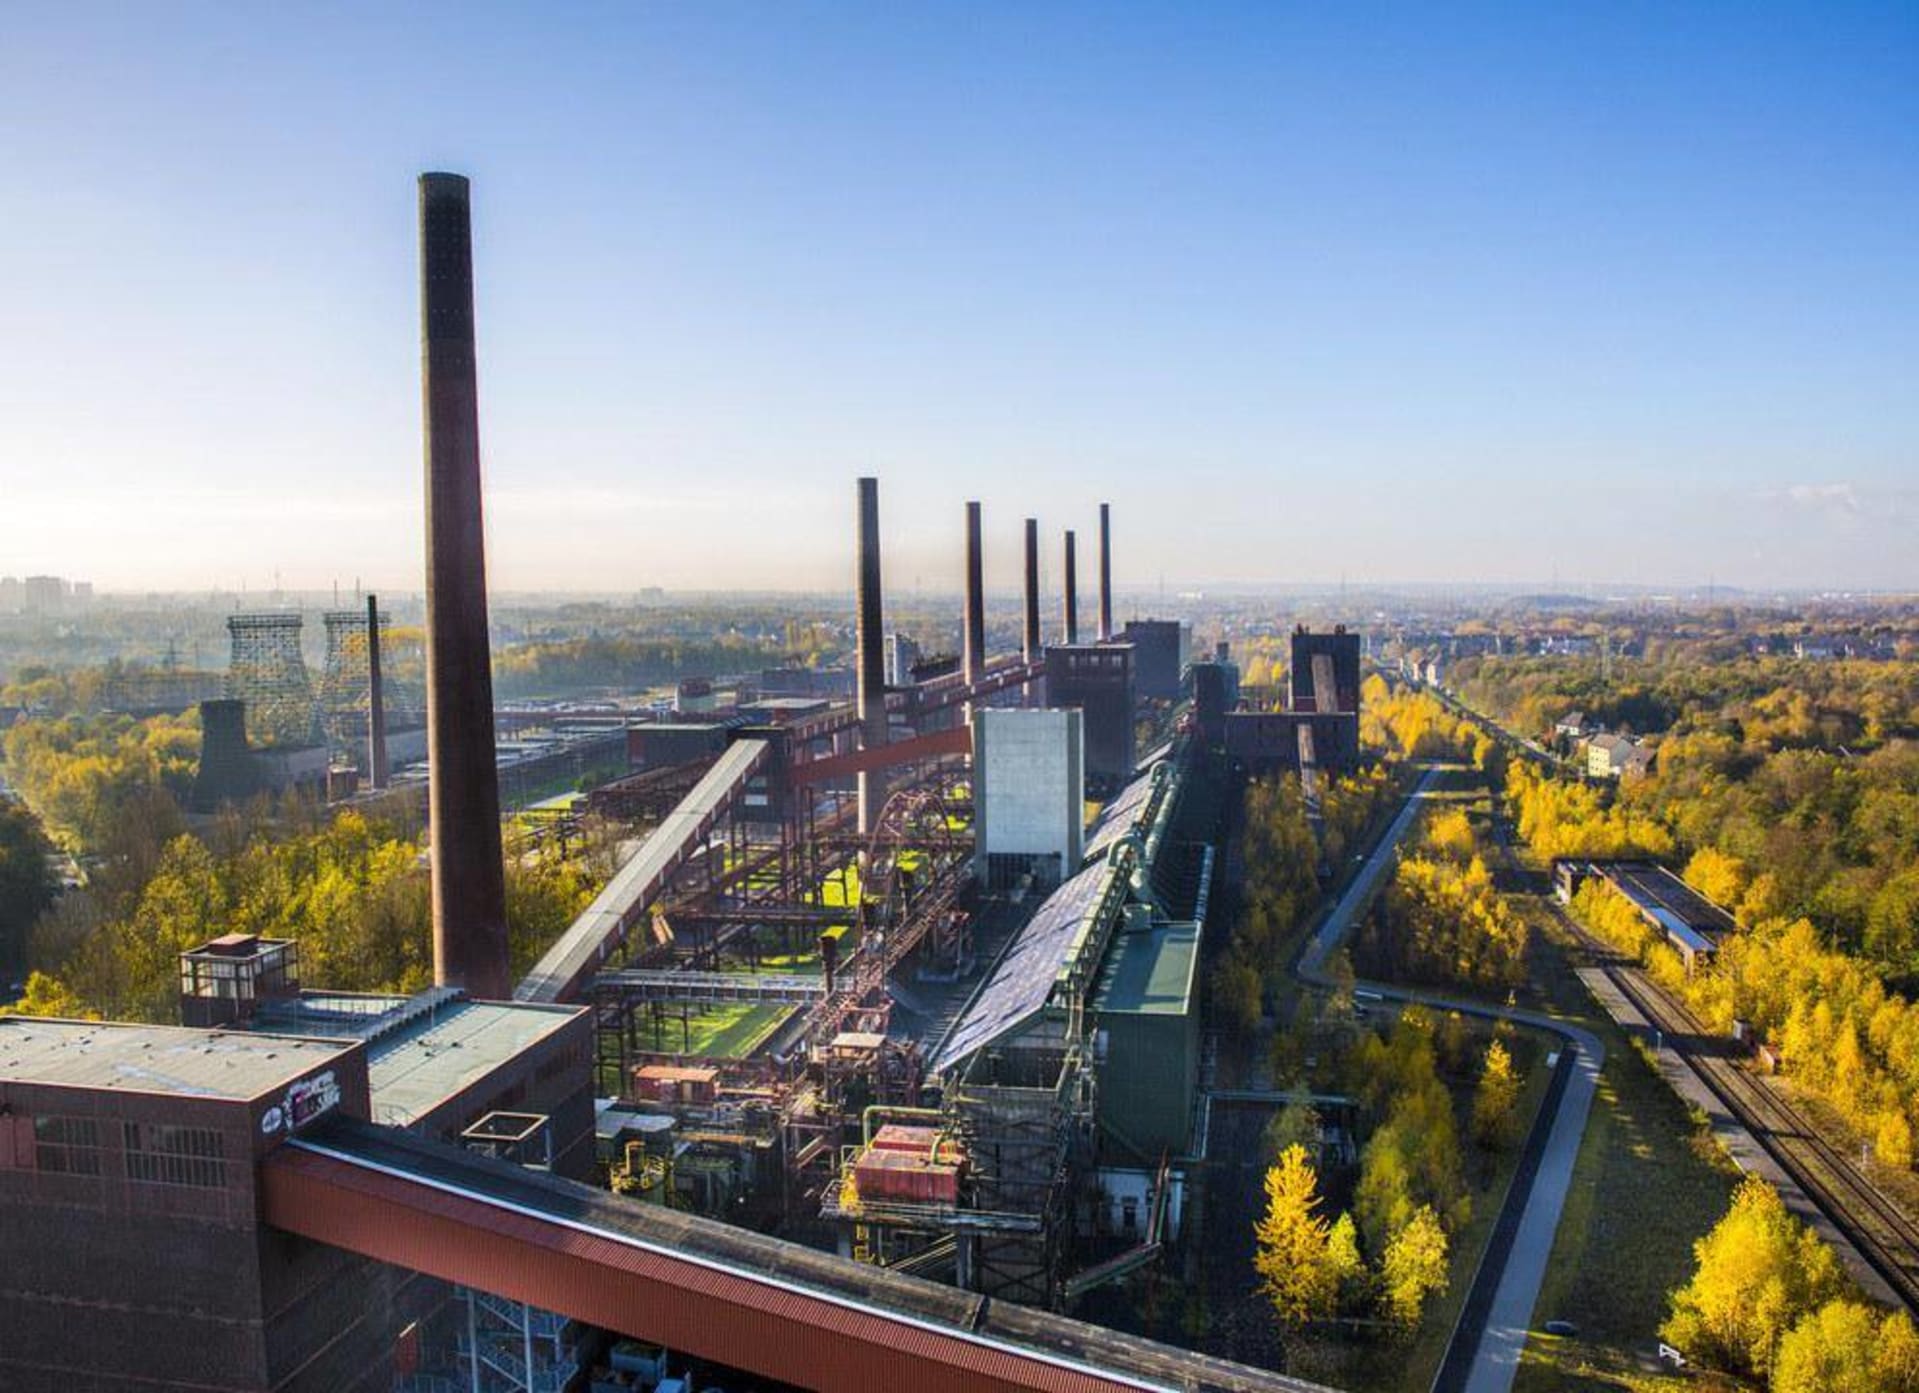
(1389, 295)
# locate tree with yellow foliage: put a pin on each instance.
(48, 996)
(1413, 1268)
(1892, 1141)
(1848, 1347)
(1449, 834)
(1760, 1271)
(1350, 1277)
(1293, 1259)
(1496, 1100)
(1719, 877)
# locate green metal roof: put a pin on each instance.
(1152, 972)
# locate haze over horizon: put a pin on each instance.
(1616, 295)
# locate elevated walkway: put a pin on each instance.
(567, 967)
(740, 1298)
(665, 984)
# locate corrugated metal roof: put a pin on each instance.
(1152, 972)
(155, 1058)
(416, 1069)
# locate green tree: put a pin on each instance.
(27, 884)
(1294, 1123)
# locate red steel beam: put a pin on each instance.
(957, 740)
(759, 1323)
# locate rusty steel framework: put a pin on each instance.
(346, 680)
(759, 878)
(268, 672)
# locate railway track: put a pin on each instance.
(1877, 1227)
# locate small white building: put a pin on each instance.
(1617, 757)
(1029, 794)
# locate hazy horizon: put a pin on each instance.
(1484, 297)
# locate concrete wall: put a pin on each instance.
(1030, 794)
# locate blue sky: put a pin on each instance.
(1394, 293)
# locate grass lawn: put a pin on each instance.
(1649, 1181)
(729, 1030)
(802, 964)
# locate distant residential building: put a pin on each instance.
(1617, 757)
(1574, 725)
(12, 595)
(1813, 650)
(1569, 646)
(44, 594)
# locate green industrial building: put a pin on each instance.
(1148, 1043)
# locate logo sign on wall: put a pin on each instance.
(305, 1100)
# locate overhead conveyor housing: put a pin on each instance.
(708, 1289)
(571, 963)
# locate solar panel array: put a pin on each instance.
(1116, 819)
(1024, 977)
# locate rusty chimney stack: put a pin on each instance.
(377, 769)
(973, 660)
(872, 652)
(469, 889)
(1072, 593)
(1105, 572)
(1030, 646)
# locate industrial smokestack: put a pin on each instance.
(973, 661)
(1030, 647)
(872, 652)
(376, 765)
(463, 786)
(1072, 593)
(1105, 572)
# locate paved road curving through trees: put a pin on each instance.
(1486, 1344)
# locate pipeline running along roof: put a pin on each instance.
(1116, 819)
